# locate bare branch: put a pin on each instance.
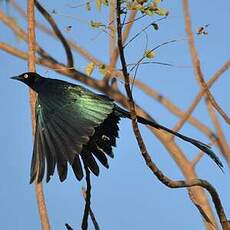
(197, 159)
(114, 53)
(31, 67)
(221, 138)
(92, 216)
(84, 224)
(198, 97)
(196, 62)
(58, 33)
(49, 32)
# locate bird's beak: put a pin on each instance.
(16, 78)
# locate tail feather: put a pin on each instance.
(200, 145)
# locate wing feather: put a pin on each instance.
(66, 122)
(90, 162)
(50, 157)
(77, 168)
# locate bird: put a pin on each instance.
(75, 126)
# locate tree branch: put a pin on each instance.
(196, 62)
(92, 216)
(48, 17)
(31, 67)
(199, 96)
(84, 224)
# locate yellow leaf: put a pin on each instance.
(98, 4)
(103, 69)
(89, 68)
(95, 24)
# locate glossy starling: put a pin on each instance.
(74, 125)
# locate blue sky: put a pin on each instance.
(127, 196)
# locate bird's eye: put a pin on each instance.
(26, 75)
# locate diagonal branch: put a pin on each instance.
(222, 140)
(48, 17)
(91, 213)
(84, 224)
(196, 62)
(11, 23)
(199, 96)
(31, 67)
(114, 53)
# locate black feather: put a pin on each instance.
(77, 168)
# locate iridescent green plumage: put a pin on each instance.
(67, 116)
(75, 125)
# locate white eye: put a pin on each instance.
(26, 75)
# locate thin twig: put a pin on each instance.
(196, 62)
(145, 28)
(11, 23)
(114, 56)
(31, 67)
(199, 96)
(153, 49)
(112, 37)
(84, 224)
(112, 41)
(197, 159)
(48, 17)
(92, 215)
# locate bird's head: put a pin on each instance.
(29, 78)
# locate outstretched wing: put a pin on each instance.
(64, 124)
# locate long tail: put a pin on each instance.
(200, 145)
